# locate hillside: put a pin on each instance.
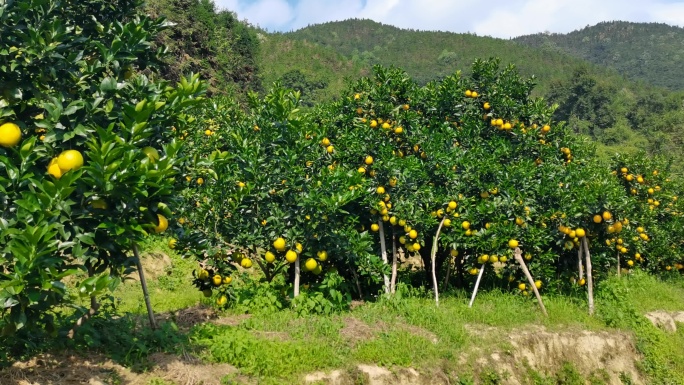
(319, 73)
(431, 55)
(651, 52)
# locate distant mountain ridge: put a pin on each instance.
(652, 52)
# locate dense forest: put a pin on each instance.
(623, 108)
(651, 52)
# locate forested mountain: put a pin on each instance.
(652, 52)
(318, 72)
(432, 55)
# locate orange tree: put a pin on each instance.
(268, 195)
(655, 234)
(87, 156)
(477, 155)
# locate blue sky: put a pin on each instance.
(497, 18)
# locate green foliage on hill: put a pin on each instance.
(621, 119)
(210, 41)
(432, 55)
(651, 52)
(295, 62)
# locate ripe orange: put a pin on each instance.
(269, 257)
(53, 169)
(162, 225)
(375, 227)
(10, 135)
(513, 243)
(322, 255)
(465, 225)
(580, 233)
(216, 280)
(291, 256)
(413, 234)
(279, 244)
(70, 160)
(597, 218)
(310, 264)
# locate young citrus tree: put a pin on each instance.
(268, 195)
(88, 151)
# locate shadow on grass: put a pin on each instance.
(125, 340)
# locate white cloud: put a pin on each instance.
(498, 18)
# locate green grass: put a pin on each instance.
(176, 280)
(282, 346)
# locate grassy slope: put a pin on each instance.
(282, 347)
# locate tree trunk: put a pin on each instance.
(448, 273)
(579, 263)
(433, 258)
(590, 279)
(143, 283)
(296, 280)
(358, 284)
(618, 264)
(393, 281)
(94, 306)
(521, 262)
(477, 285)
(383, 252)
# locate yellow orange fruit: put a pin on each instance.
(269, 257)
(279, 244)
(10, 135)
(162, 225)
(291, 256)
(70, 160)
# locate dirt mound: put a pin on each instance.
(611, 353)
(608, 355)
(98, 370)
(155, 265)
